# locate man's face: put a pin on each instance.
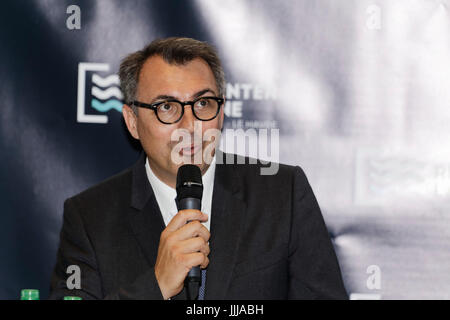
(157, 81)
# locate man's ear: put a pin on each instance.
(130, 120)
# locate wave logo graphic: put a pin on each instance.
(105, 94)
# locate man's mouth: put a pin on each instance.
(190, 150)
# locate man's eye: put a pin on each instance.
(202, 103)
(165, 107)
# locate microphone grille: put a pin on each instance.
(189, 182)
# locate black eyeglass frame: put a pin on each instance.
(154, 107)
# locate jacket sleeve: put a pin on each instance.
(313, 266)
(75, 248)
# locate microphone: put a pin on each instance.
(189, 196)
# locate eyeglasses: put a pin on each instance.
(171, 111)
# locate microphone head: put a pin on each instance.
(189, 182)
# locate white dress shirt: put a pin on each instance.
(165, 195)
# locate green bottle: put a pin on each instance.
(72, 298)
(29, 294)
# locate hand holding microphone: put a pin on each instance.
(183, 244)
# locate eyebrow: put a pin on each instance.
(194, 96)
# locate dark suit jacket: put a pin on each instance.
(268, 238)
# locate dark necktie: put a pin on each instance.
(201, 291)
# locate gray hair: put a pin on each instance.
(173, 50)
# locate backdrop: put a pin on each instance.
(358, 92)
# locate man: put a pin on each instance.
(268, 239)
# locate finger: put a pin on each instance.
(191, 230)
(196, 259)
(183, 216)
(197, 244)
(205, 263)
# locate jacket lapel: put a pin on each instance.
(227, 216)
(145, 217)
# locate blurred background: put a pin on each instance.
(358, 92)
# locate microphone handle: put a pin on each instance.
(194, 276)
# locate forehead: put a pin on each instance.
(159, 77)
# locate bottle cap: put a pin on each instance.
(72, 298)
(29, 294)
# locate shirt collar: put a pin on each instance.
(165, 195)
(207, 178)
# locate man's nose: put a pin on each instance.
(188, 119)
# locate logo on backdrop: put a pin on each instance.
(99, 94)
(253, 98)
